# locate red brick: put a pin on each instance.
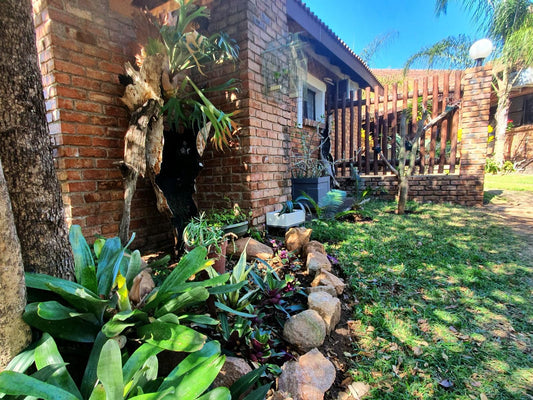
(82, 186)
(88, 106)
(71, 92)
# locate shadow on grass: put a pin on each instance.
(442, 295)
(488, 195)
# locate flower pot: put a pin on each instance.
(316, 188)
(239, 229)
(286, 220)
(220, 258)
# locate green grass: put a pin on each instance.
(442, 294)
(517, 182)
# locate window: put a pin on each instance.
(521, 110)
(311, 99)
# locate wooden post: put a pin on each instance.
(444, 125)
(394, 122)
(435, 112)
(423, 141)
(359, 127)
(367, 130)
(455, 122)
(376, 129)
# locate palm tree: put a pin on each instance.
(509, 24)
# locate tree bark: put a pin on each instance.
(403, 191)
(14, 333)
(25, 148)
(502, 116)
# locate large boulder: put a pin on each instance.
(254, 249)
(328, 289)
(325, 278)
(308, 378)
(327, 306)
(305, 330)
(317, 262)
(297, 238)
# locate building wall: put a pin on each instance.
(82, 47)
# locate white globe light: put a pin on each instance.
(480, 49)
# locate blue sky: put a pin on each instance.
(358, 22)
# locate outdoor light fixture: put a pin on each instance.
(480, 50)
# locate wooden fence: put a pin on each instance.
(365, 121)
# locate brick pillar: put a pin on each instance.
(474, 122)
(255, 171)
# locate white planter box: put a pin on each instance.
(286, 220)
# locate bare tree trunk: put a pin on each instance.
(14, 333)
(25, 148)
(502, 116)
(403, 190)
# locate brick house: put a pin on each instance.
(82, 48)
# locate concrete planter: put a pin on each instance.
(316, 188)
(287, 220)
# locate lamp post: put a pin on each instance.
(480, 50)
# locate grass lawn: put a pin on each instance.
(444, 299)
(509, 182)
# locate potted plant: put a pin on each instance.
(309, 174)
(198, 232)
(230, 220)
(287, 217)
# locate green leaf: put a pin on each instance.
(224, 307)
(89, 376)
(196, 380)
(192, 296)
(223, 289)
(98, 393)
(171, 337)
(134, 267)
(245, 382)
(146, 374)
(116, 325)
(259, 393)
(109, 370)
(14, 383)
(75, 329)
(190, 264)
(54, 311)
(98, 246)
(138, 358)
(220, 393)
(76, 295)
(199, 319)
(155, 396)
(46, 353)
(22, 361)
(84, 266)
(108, 265)
(190, 362)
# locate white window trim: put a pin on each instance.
(319, 88)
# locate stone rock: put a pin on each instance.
(313, 246)
(305, 330)
(280, 396)
(232, 370)
(308, 378)
(356, 391)
(297, 238)
(326, 278)
(328, 289)
(254, 249)
(317, 262)
(327, 306)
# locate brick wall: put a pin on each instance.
(255, 172)
(82, 48)
(466, 187)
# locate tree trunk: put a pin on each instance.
(14, 333)
(502, 116)
(403, 190)
(25, 148)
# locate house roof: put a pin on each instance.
(331, 45)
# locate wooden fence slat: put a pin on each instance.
(414, 108)
(455, 122)
(359, 127)
(423, 138)
(385, 127)
(394, 122)
(444, 125)
(435, 112)
(376, 129)
(367, 131)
